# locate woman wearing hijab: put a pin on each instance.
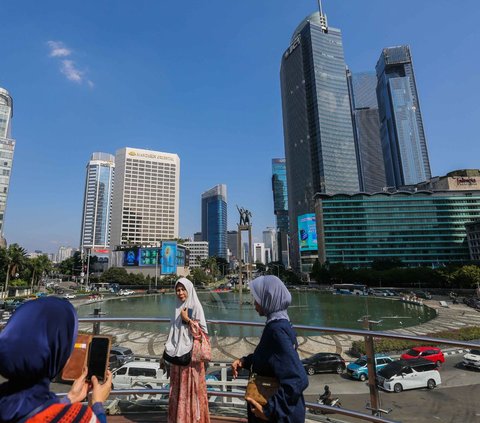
(275, 356)
(188, 389)
(34, 346)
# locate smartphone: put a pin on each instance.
(190, 314)
(98, 354)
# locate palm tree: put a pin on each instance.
(39, 265)
(16, 259)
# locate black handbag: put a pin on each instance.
(183, 360)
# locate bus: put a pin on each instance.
(350, 289)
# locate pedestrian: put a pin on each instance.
(275, 356)
(34, 347)
(188, 400)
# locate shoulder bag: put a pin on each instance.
(261, 388)
(202, 350)
(183, 360)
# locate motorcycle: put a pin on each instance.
(334, 402)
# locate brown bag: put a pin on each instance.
(261, 388)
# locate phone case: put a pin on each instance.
(78, 359)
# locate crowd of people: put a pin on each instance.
(39, 338)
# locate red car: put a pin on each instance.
(428, 353)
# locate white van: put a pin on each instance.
(141, 372)
(409, 374)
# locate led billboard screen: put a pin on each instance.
(307, 232)
(147, 256)
(169, 258)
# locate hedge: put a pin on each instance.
(384, 345)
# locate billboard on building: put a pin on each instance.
(307, 232)
(148, 256)
(169, 258)
(130, 257)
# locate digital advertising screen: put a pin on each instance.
(130, 257)
(180, 256)
(169, 258)
(307, 232)
(148, 256)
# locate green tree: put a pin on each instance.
(115, 275)
(39, 266)
(200, 277)
(16, 260)
(467, 276)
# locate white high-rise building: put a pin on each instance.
(270, 241)
(259, 252)
(198, 252)
(7, 147)
(64, 253)
(97, 202)
(145, 197)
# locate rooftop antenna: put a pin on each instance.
(323, 18)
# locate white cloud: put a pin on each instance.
(58, 49)
(68, 67)
(70, 70)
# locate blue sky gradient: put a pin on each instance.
(201, 79)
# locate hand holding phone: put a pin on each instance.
(98, 354)
(186, 315)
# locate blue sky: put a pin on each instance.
(201, 79)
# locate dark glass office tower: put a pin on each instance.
(280, 207)
(214, 220)
(317, 123)
(366, 130)
(401, 126)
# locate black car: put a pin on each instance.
(324, 362)
(123, 354)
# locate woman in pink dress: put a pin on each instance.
(188, 402)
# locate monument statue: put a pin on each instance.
(245, 216)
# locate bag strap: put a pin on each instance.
(37, 410)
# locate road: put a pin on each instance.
(455, 400)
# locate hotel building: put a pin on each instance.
(145, 205)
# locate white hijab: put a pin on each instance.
(180, 340)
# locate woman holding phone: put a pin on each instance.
(188, 389)
(34, 346)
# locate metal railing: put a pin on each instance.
(368, 335)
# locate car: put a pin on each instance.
(123, 354)
(408, 374)
(324, 362)
(41, 294)
(422, 294)
(359, 370)
(69, 296)
(125, 292)
(113, 362)
(472, 359)
(139, 372)
(434, 354)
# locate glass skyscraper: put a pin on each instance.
(366, 125)
(419, 228)
(7, 148)
(318, 134)
(280, 207)
(403, 137)
(97, 202)
(214, 220)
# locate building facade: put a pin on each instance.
(65, 253)
(232, 244)
(401, 126)
(146, 190)
(366, 130)
(270, 242)
(259, 252)
(214, 220)
(198, 252)
(7, 149)
(473, 238)
(280, 207)
(97, 202)
(419, 228)
(318, 134)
